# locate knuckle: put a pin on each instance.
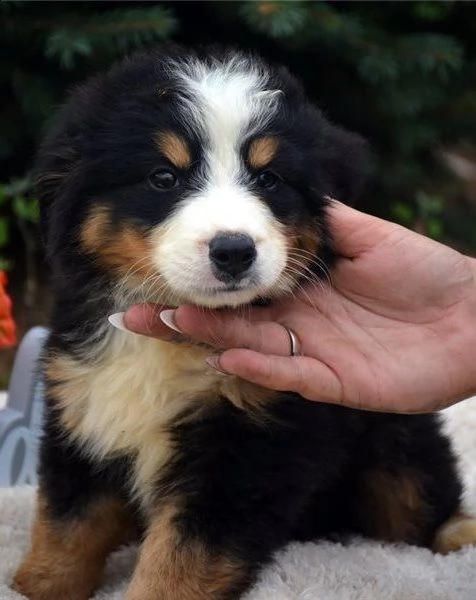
(301, 384)
(267, 369)
(228, 330)
(260, 337)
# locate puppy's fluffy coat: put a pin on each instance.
(185, 177)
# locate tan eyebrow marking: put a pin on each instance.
(175, 148)
(262, 151)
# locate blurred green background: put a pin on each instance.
(403, 74)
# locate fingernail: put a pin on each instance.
(117, 321)
(214, 363)
(167, 317)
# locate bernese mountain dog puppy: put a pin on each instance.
(202, 177)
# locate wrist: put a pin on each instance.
(470, 327)
(472, 262)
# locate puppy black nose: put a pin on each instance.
(232, 253)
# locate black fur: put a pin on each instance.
(247, 486)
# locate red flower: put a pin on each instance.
(7, 324)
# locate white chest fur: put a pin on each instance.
(125, 402)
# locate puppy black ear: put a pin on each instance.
(343, 162)
(55, 162)
(60, 153)
(339, 159)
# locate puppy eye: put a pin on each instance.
(163, 179)
(268, 180)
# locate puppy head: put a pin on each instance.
(188, 178)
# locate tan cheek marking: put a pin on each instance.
(127, 250)
(66, 559)
(262, 151)
(175, 149)
(309, 239)
(94, 229)
(303, 244)
(177, 569)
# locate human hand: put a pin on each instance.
(396, 332)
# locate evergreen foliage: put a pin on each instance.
(403, 74)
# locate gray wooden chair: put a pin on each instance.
(20, 420)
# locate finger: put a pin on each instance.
(226, 329)
(308, 377)
(222, 330)
(144, 319)
(354, 232)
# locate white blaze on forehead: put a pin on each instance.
(225, 101)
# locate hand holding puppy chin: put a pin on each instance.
(396, 332)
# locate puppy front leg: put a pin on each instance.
(172, 566)
(66, 558)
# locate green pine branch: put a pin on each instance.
(114, 31)
(275, 18)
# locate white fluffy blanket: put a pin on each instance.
(361, 570)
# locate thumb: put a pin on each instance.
(355, 232)
(306, 376)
